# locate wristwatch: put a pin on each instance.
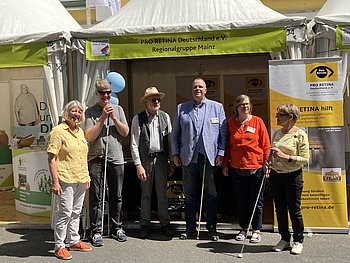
(290, 159)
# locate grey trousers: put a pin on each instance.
(67, 217)
(157, 172)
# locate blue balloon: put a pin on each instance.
(117, 81)
(114, 100)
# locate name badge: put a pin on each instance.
(214, 120)
(251, 129)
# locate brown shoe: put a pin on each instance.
(63, 253)
(80, 246)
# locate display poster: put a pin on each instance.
(184, 91)
(32, 181)
(253, 85)
(315, 86)
(31, 115)
(6, 175)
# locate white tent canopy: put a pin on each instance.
(323, 27)
(334, 12)
(169, 16)
(159, 16)
(24, 21)
(33, 21)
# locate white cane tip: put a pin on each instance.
(240, 255)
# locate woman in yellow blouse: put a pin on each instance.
(289, 152)
(67, 154)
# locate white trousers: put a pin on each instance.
(67, 217)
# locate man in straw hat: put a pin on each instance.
(150, 151)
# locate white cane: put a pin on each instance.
(104, 176)
(240, 255)
(201, 203)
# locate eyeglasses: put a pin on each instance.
(278, 114)
(243, 105)
(103, 92)
(154, 100)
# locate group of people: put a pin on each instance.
(199, 139)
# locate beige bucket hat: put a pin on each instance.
(152, 91)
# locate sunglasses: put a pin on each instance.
(154, 100)
(278, 114)
(103, 92)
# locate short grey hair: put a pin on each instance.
(102, 83)
(289, 109)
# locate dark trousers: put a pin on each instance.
(247, 189)
(286, 190)
(192, 176)
(114, 183)
(157, 172)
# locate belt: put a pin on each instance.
(156, 154)
(285, 172)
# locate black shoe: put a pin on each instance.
(189, 233)
(167, 230)
(212, 234)
(143, 231)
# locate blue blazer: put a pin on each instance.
(184, 135)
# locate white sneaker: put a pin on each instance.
(256, 237)
(282, 245)
(297, 248)
(241, 235)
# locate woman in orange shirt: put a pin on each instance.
(247, 150)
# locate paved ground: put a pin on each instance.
(31, 245)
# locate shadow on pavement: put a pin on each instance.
(32, 243)
(234, 247)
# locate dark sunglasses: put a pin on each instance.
(154, 100)
(102, 92)
(278, 114)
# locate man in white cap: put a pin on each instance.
(150, 150)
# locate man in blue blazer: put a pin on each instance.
(198, 142)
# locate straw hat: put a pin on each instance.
(152, 91)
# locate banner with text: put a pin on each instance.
(236, 41)
(315, 86)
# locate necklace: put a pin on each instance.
(244, 121)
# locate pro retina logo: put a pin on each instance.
(255, 82)
(322, 71)
(210, 84)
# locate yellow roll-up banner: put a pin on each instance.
(316, 87)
